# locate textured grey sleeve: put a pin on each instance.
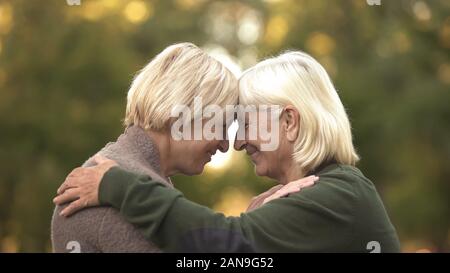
(117, 235)
(77, 233)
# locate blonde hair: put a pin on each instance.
(174, 77)
(297, 79)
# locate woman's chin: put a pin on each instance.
(201, 168)
(260, 171)
(195, 170)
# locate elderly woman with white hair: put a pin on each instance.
(341, 213)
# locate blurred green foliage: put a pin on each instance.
(65, 71)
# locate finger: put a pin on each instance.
(268, 199)
(70, 182)
(76, 172)
(67, 182)
(278, 194)
(61, 189)
(307, 177)
(286, 191)
(296, 187)
(72, 208)
(307, 180)
(270, 191)
(68, 196)
(272, 197)
(301, 180)
(307, 184)
(65, 186)
(293, 187)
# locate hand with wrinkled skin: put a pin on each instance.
(294, 186)
(81, 186)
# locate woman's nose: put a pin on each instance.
(239, 144)
(224, 145)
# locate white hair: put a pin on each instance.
(174, 77)
(297, 79)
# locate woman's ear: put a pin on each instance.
(291, 120)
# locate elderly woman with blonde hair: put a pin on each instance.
(341, 213)
(176, 76)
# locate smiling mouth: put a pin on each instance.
(210, 154)
(253, 155)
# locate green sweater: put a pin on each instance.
(341, 213)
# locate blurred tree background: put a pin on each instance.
(65, 71)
